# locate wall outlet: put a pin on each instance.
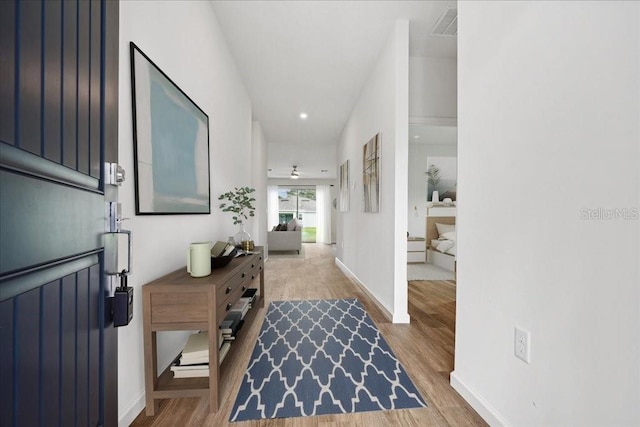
(522, 345)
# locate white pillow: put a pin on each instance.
(450, 235)
(445, 245)
(291, 225)
(444, 228)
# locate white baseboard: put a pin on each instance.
(132, 411)
(481, 406)
(353, 277)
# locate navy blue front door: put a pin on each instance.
(58, 127)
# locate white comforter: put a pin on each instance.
(446, 243)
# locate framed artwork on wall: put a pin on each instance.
(371, 174)
(344, 187)
(441, 178)
(171, 144)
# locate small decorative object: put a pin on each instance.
(240, 202)
(248, 245)
(198, 259)
(433, 179)
(447, 201)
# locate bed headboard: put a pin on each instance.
(432, 231)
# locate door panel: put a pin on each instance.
(29, 76)
(52, 350)
(58, 127)
(7, 70)
(6, 364)
(69, 87)
(52, 79)
(29, 242)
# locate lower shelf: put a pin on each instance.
(168, 386)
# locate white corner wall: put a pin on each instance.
(184, 40)
(549, 148)
(432, 87)
(372, 246)
(259, 182)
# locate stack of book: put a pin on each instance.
(235, 317)
(251, 294)
(231, 325)
(194, 359)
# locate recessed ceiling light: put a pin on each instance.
(270, 170)
(416, 136)
(303, 116)
(324, 170)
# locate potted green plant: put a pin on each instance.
(433, 179)
(240, 203)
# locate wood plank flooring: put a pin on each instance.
(425, 349)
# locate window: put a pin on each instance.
(299, 201)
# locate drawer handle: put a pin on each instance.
(229, 289)
(253, 265)
(253, 276)
(260, 257)
(244, 274)
(244, 288)
(229, 306)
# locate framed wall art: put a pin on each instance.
(371, 174)
(171, 144)
(344, 187)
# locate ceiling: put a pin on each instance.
(314, 57)
(433, 134)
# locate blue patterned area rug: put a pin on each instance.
(321, 357)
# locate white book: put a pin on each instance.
(199, 366)
(193, 360)
(191, 373)
(224, 350)
(197, 345)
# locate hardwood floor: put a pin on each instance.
(425, 349)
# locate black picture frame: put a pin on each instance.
(171, 144)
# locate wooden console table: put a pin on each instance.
(179, 302)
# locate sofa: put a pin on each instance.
(285, 237)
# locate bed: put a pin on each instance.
(442, 241)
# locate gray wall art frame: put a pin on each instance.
(344, 187)
(371, 174)
(171, 144)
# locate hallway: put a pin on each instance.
(425, 348)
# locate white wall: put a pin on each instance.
(549, 119)
(432, 87)
(372, 246)
(184, 40)
(259, 182)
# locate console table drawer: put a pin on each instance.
(232, 298)
(257, 268)
(224, 292)
(179, 307)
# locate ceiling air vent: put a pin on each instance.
(447, 25)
